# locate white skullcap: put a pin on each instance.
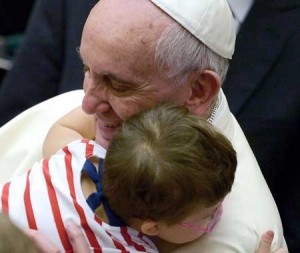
(210, 21)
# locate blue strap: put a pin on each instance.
(98, 198)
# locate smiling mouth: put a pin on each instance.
(111, 126)
(100, 123)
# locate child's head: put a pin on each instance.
(168, 168)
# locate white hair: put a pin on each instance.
(181, 53)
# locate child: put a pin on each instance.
(165, 175)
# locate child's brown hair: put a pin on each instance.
(164, 163)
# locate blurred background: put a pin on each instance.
(14, 15)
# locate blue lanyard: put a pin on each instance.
(98, 198)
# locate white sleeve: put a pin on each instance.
(22, 138)
(249, 210)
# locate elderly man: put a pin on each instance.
(138, 53)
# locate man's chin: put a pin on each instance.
(104, 134)
(102, 141)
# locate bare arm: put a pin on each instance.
(74, 125)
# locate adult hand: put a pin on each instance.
(266, 242)
(43, 244)
(76, 238)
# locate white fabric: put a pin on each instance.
(240, 9)
(55, 197)
(249, 210)
(210, 21)
(21, 139)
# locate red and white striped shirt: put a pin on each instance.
(50, 194)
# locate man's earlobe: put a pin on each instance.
(204, 88)
(150, 228)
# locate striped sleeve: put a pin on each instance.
(50, 194)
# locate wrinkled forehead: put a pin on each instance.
(210, 21)
(134, 18)
(120, 37)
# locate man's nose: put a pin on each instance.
(95, 99)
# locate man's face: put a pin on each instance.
(121, 77)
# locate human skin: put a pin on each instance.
(80, 245)
(121, 77)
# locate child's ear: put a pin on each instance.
(150, 228)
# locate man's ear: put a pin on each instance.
(204, 87)
(150, 228)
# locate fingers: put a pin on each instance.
(266, 242)
(77, 238)
(43, 244)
